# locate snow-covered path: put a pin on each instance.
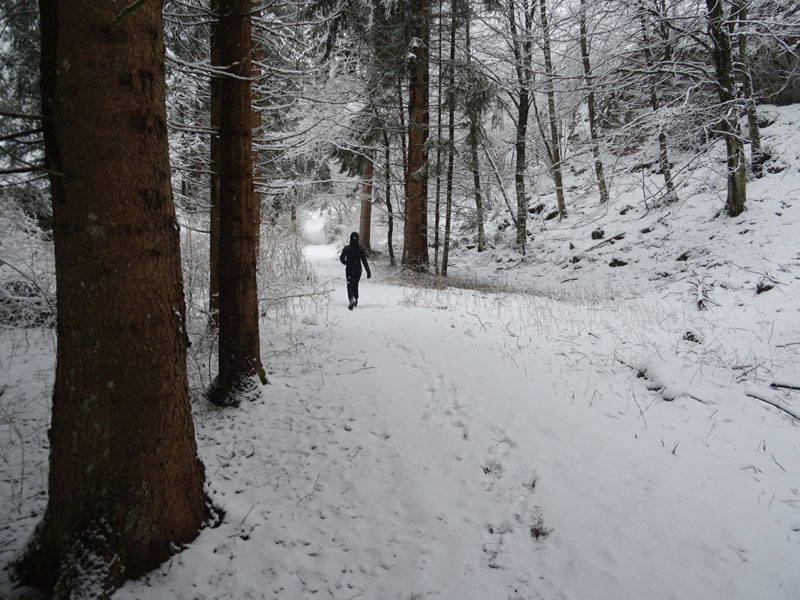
(457, 445)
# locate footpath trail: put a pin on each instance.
(467, 446)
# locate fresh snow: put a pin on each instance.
(578, 431)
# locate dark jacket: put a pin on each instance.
(352, 256)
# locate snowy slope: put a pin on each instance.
(603, 438)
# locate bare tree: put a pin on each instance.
(744, 73)
(554, 143)
(719, 29)
(591, 102)
(663, 28)
(521, 97)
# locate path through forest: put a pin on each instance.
(460, 445)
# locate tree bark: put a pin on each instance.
(365, 223)
(722, 53)
(555, 138)
(239, 346)
(125, 485)
(415, 243)
(592, 105)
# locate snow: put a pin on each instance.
(602, 437)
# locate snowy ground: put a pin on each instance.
(459, 445)
(605, 439)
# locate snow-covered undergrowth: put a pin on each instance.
(622, 432)
(27, 272)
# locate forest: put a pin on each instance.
(573, 367)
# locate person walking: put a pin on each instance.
(352, 256)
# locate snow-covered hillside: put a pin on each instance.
(621, 432)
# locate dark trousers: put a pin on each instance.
(352, 284)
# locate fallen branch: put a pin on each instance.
(610, 240)
(754, 394)
(784, 386)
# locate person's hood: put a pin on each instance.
(354, 238)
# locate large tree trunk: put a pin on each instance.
(592, 105)
(125, 482)
(239, 348)
(415, 243)
(555, 138)
(729, 127)
(365, 223)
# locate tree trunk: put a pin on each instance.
(522, 46)
(475, 165)
(125, 483)
(520, 146)
(476, 180)
(555, 138)
(587, 72)
(663, 147)
(365, 224)
(757, 155)
(388, 191)
(215, 87)
(403, 147)
(239, 348)
(415, 243)
(437, 202)
(723, 59)
(451, 134)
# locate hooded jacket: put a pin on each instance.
(352, 256)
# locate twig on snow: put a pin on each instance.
(641, 412)
(479, 320)
(779, 464)
(754, 394)
(314, 489)
(784, 386)
(247, 515)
